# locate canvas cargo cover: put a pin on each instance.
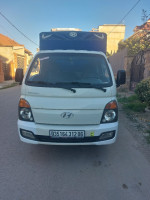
(73, 40)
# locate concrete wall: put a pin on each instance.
(147, 64)
(115, 33)
(117, 60)
(127, 67)
(120, 60)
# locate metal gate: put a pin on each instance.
(137, 70)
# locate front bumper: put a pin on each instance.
(92, 134)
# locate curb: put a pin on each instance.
(7, 84)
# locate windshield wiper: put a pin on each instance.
(98, 87)
(89, 85)
(44, 83)
(59, 85)
(67, 88)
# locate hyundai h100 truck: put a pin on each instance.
(68, 94)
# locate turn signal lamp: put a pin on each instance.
(24, 104)
(111, 105)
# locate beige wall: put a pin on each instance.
(6, 54)
(115, 33)
(19, 50)
(9, 55)
(6, 57)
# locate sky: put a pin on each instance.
(34, 16)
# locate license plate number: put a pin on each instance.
(66, 134)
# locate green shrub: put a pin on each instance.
(143, 91)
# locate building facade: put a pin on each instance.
(12, 55)
(115, 33)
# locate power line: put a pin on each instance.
(17, 29)
(7, 31)
(125, 15)
(11, 36)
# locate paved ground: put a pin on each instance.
(28, 172)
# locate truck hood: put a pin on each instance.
(51, 105)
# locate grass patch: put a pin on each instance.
(148, 131)
(133, 98)
(147, 135)
(148, 139)
(118, 96)
(132, 103)
(136, 106)
(122, 99)
(129, 99)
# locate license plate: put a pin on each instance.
(66, 134)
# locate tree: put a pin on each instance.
(145, 16)
(108, 54)
(135, 44)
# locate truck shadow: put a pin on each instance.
(73, 154)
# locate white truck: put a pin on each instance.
(68, 94)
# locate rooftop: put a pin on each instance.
(145, 26)
(113, 25)
(7, 42)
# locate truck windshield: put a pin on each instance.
(77, 70)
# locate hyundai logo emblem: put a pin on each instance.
(66, 115)
(73, 34)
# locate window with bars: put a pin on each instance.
(20, 62)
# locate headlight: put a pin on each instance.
(109, 116)
(25, 112)
(110, 113)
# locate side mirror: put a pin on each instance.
(19, 75)
(121, 78)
